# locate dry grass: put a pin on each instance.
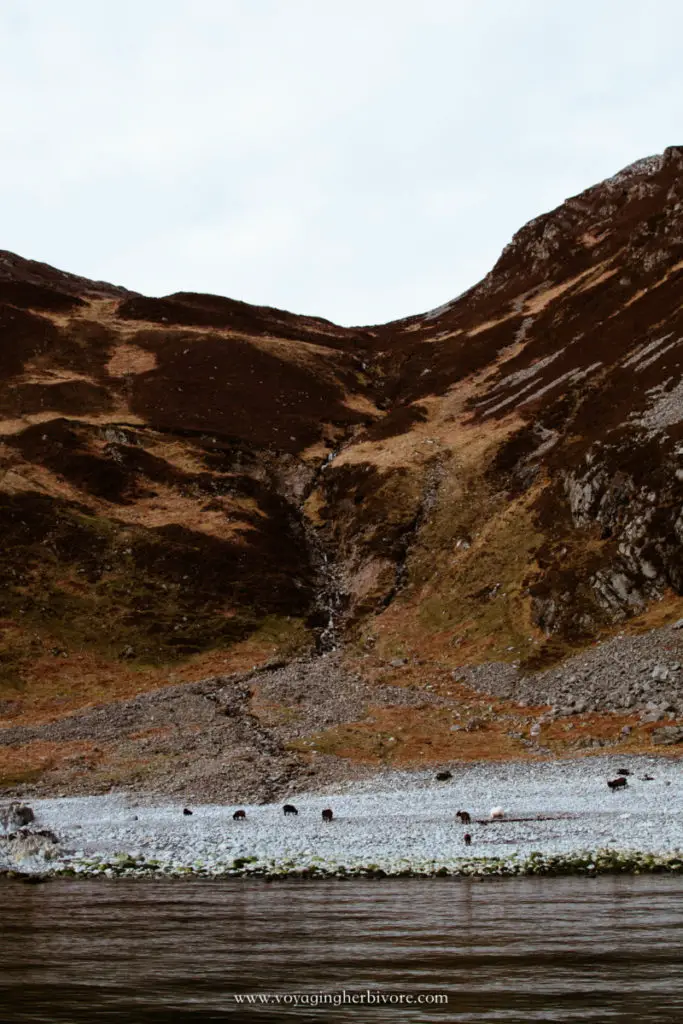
(55, 686)
(28, 762)
(542, 299)
(402, 737)
(465, 606)
(130, 359)
(644, 291)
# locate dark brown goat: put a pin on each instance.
(239, 815)
(619, 783)
(465, 817)
(468, 839)
(289, 809)
(327, 814)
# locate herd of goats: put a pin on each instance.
(496, 813)
(18, 815)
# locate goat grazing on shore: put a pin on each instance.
(465, 817)
(327, 814)
(239, 815)
(289, 809)
(467, 839)
(619, 783)
(497, 813)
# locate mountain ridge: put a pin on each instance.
(497, 480)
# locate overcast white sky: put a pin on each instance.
(357, 159)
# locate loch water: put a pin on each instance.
(608, 949)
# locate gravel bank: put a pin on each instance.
(221, 739)
(624, 674)
(401, 822)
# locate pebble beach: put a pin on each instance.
(556, 814)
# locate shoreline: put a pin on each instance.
(588, 864)
(560, 818)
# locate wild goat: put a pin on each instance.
(239, 815)
(619, 783)
(497, 813)
(289, 809)
(327, 814)
(443, 776)
(465, 817)
(467, 839)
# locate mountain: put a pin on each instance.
(193, 487)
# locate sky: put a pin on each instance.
(360, 161)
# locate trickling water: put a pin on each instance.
(330, 581)
(332, 600)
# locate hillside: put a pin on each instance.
(193, 487)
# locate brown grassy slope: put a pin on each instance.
(530, 454)
(151, 476)
(505, 482)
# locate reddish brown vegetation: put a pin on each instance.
(506, 479)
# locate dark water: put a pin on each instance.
(560, 950)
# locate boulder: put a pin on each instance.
(17, 846)
(668, 734)
(16, 815)
(654, 712)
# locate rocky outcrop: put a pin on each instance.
(15, 815)
(18, 847)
